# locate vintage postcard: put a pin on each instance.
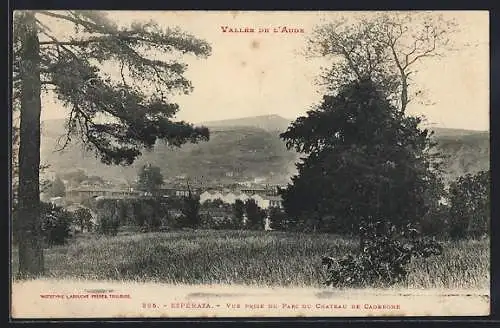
(174, 164)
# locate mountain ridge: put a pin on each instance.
(244, 149)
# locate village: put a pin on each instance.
(86, 191)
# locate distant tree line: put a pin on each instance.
(150, 214)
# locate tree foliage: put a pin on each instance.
(383, 258)
(365, 160)
(108, 218)
(255, 215)
(277, 218)
(116, 114)
(137, 116)
(56, 224)
(385, 48)
(239, 212)
(470, 205)
(191, 211)
(83, 219)
(150, 179)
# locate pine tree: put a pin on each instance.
(117, 118)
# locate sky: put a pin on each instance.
(250, 74)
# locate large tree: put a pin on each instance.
(385, 48)
(256, 216)
(191, 210)
(150, 179)
(365, 160)
(116, 115)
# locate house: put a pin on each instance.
(178, 191)
(224, 196)
(78, 195)
(255, 191)
(263, 201)
(275, 201)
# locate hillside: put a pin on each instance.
(242, 153)
(465, 153)
(242, 150)
(265, 122)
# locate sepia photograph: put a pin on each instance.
(224, 164)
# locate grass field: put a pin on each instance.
(245, 258)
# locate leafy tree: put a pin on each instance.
(150, 179)
(255, 215)
(57, 188)
(151, 212)
(124, 208)
(56, 224)
(239, 212)
(191, 211)
(108, 217)
(366, 160)
(116, 117)
(83, 218)
(138, 213)
(385, 48)
(470, 205)
(278, 218)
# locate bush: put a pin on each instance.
(255, 215)
(219, 223)
(148, 214)
(383, 257)
(108, 220)
(83, 219)
(108, 225)
(470, 205)
(56, 224)
(238, 209)
(277, 219)
(436, 222)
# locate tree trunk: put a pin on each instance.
(30, 241)
(404, 91)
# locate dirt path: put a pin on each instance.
(83, 299)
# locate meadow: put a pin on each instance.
(256, 258)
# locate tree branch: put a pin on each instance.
(70, 19)
(426, 53)
(62, 46)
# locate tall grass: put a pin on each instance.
(245, 257)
